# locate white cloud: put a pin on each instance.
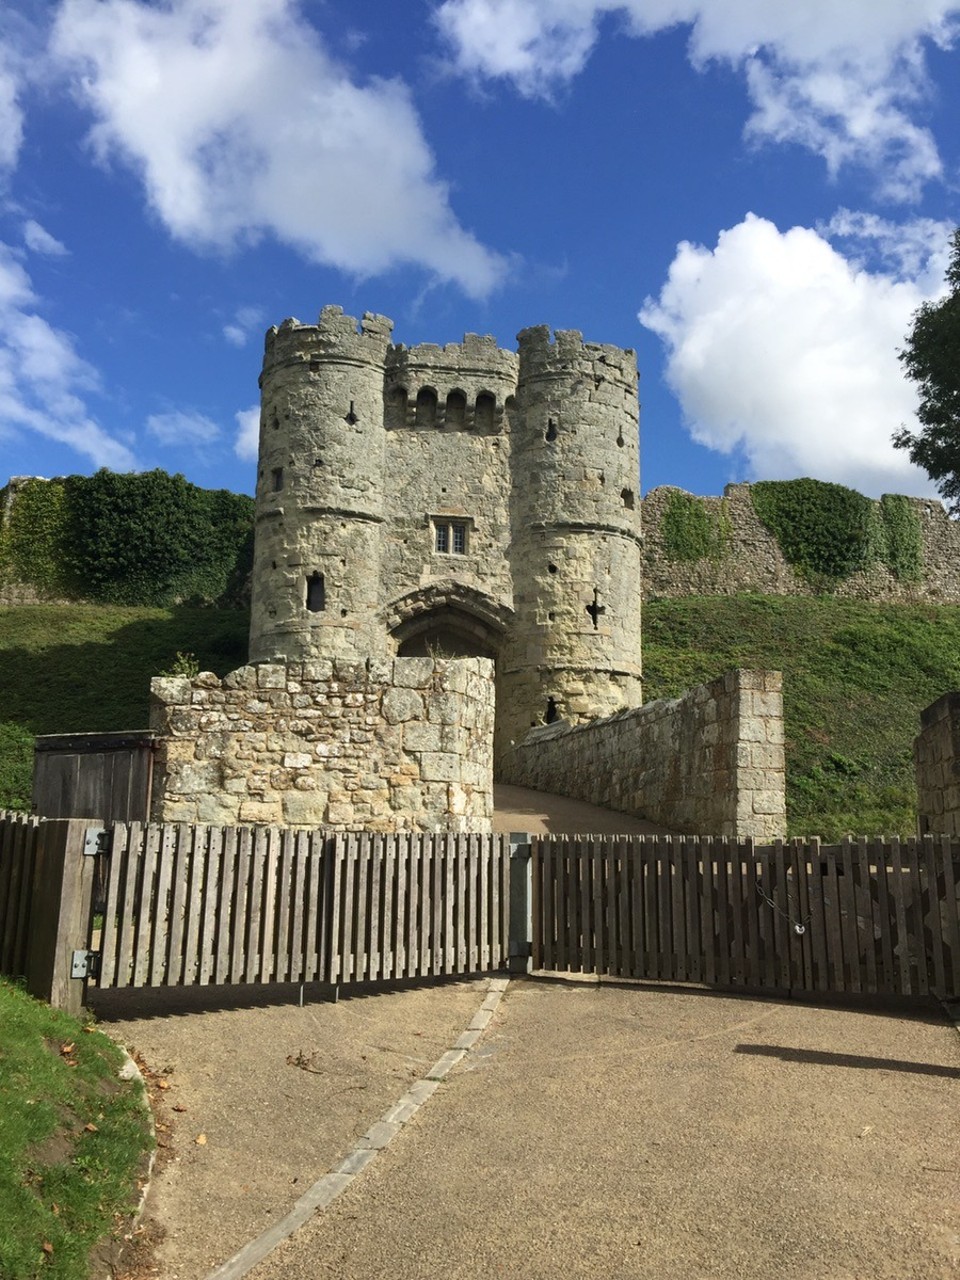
(43, 379)
(11, 116)
(247, 443)
(39, 240)
(178, 428)
(781, 349)
(918, 250)
(841, 79)
(240, 124)
(240, 328)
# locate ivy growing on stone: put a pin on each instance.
(32, 534)
(690, 530)
(826, 531)
(903, 537)
(146, 539)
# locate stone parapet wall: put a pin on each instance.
(936, 757)
(711, 762)
(401, 745)
(751, 560)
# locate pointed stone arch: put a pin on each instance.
(448, 618)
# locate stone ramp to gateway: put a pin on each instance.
(539, 813)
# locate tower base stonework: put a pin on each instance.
(401, 745)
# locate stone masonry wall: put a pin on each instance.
(711, 762)
(401, 745)
(936, 757)
(753, 562)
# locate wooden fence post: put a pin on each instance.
(519, 958)
(60, 912)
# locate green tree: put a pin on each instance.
(931, 358)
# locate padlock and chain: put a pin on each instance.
(799, 926)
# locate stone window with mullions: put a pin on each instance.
(451, 535)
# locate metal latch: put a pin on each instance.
(96, 840)
(85, 964)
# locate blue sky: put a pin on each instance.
(754, 195)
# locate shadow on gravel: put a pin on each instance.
(124, 1003)
(823, 1058)
(925, 1009)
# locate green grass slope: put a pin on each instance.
(856, 676)
(73, 1139)
(84, 668)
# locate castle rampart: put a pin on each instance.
(746, 556)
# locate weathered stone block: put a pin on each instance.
(172, 690)
(414, 673)
(304, 808)
(400, 705)
(271, 676)
(768, 802)
(439, 767)
(265, 812)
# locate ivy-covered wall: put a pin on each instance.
(799, 537)
(154, 539)
(146, 538)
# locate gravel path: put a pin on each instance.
(612, 1131)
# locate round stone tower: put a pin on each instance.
(319, 502)
(574, 650)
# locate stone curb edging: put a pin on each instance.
(130, 1071)
(380, 1134)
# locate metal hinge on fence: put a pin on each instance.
(85, 964)
(96, 840)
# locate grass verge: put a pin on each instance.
(73, 1137)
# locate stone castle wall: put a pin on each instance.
(402, 745)
(936, 756)
(711, 762)
(752, 561)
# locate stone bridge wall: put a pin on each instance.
(711, 762)
(936, 755)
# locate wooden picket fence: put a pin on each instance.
(138, 905)
(19, 837)
(862, 916)
(189, 905)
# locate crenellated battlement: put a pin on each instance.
(335, 336)
(564, 354)
(477, 359)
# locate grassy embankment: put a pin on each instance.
(855, 679)
(87, 668)
(73, 1137)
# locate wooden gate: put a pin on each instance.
(184, 905)
(862, 916)
(107, 776)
